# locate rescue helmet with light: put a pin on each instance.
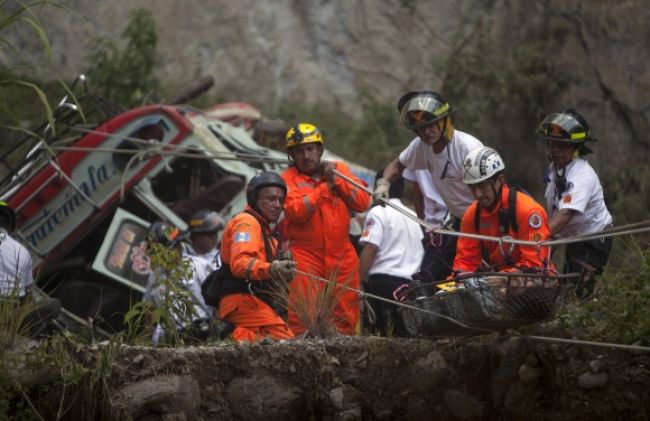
(263, 179)
(303, 133)
(481, 164)
(421, 108)
(569, 126)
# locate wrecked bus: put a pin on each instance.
(86, 196)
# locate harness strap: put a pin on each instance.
(507, 222)
(511, 221)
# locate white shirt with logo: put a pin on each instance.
(15, 267)
(583, 194)
(398, 238)
(435, 209)
(420, 156)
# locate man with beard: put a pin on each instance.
(317, 218)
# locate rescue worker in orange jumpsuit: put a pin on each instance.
(499, 211)
(248, 251)
(317, 219)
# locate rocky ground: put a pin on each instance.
(372, 378)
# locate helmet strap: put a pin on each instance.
(497, 193)
(576, 154)
(444, 139)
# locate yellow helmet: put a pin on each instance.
(303, 133)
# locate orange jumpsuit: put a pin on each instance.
(533, 226)
(316, 227)
(242, 248)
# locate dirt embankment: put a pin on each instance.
(379, 379)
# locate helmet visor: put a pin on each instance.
(562, 126)
(421, 110)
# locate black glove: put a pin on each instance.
(283, 270)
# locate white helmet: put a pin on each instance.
(481, 164)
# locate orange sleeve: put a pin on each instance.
(533, 226)
(468, 250)
(247, 254)
(299, 205)
(356, 199)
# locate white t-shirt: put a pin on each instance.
(435, 209)
(398, 238)
(583, 194)
(15, 265)
(420, 156)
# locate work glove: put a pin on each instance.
(327, 168)
(283, 270)
(284, 255)
(381, 191)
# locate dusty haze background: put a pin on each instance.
(503, 64)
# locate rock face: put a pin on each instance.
(505, 64)
(268, 52)
(315, 51)
(400, 380)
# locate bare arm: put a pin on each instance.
(560, 220)
(393, 170)
(367, 258)
(418, 199)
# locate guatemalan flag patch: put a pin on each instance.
(242, 237)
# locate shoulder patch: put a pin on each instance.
(242, 237)
(567, 198)
(535, 220)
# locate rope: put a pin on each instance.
(635, 228)
(363, 295)
(186, 153)
(589, 343)
(170, 145)
(623, 230)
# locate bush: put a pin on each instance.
(619, 311)
(128, 75)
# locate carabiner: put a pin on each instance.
(512, 246)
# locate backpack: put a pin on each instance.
(222, 282)
(211, 288)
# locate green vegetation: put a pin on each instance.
(619, 310)
(173, 304)
(127, 76)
